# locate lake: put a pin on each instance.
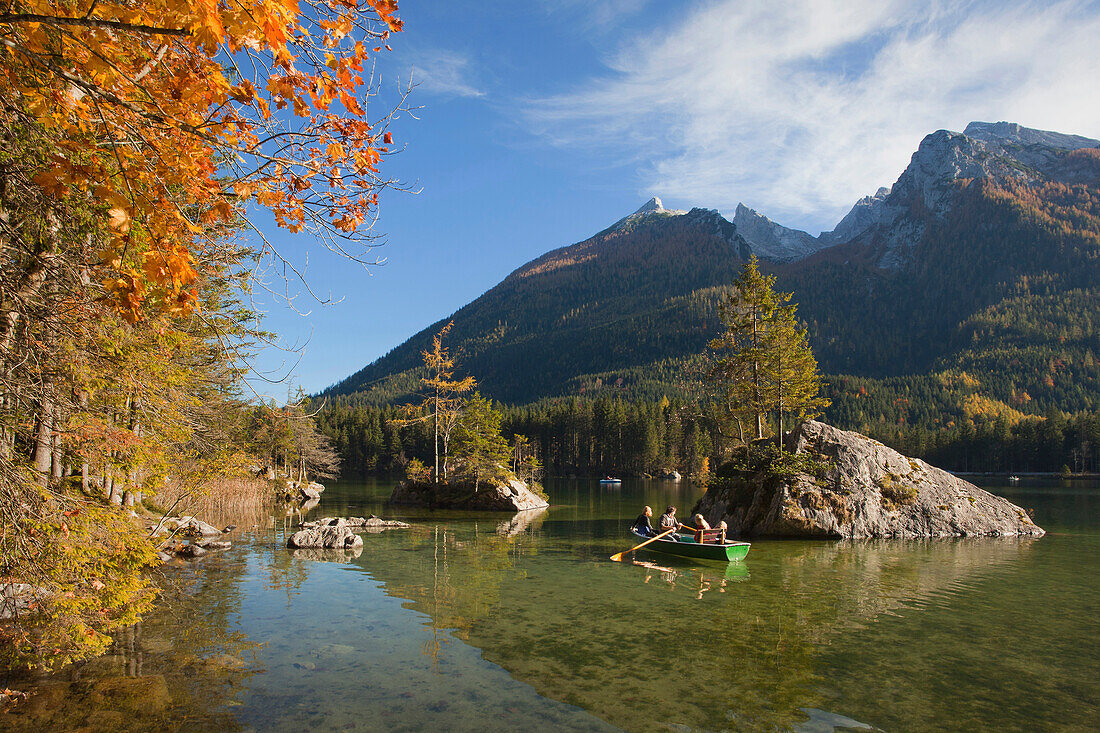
(485, 622)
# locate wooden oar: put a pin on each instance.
(618, 556)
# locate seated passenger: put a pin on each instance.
(700, 525)
(641, 524)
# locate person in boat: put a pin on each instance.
(668, 521)
(641, 524)
(700, 525)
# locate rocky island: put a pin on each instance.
(511, 495)
(865, 491)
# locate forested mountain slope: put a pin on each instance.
(972, 285)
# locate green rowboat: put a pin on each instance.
(688, 547)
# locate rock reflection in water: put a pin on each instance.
(521, 522)
(326, 555)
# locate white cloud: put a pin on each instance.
(800, 108)
(599, 16)
(445, 73)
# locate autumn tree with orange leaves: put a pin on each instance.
(136, 139)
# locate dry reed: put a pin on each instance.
(240, 501)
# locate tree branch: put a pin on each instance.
(92, 23)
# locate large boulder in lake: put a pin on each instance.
(512, 495)
(332, 535)
(866, 490)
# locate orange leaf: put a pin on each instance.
(119, 219)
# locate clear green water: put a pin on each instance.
(468, 622)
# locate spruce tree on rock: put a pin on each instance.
(479, 448)
(763, 361)
(790, 370)
(742, 348)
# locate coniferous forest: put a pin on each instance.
(595, 436)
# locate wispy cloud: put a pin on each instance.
(599, 16)
(446, 73)
(798, 108)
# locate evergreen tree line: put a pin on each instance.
(596, 436)
(1055, 443)
(571, 436)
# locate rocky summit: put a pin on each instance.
(867, 491)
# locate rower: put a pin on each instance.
(669, 522)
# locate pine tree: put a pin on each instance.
(479, 448)
(738, 367)
(790, 370)
(764, 362)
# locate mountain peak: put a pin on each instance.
(654, 204)
(652, 207)
(771, 241)
(1011, 132)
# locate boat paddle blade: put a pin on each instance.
(618, 556)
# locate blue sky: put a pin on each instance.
(541, 122)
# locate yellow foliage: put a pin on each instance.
(976, 406)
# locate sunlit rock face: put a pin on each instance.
(868, 491)
(894, 218)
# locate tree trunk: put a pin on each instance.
(43, 446)
(115, 496)
(435, 420)
(756, 382)
(55, 447)
(779, 389)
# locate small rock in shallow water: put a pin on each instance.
(334, 536)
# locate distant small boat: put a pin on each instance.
(1013, 478)
(688, 547)
(610, 480)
